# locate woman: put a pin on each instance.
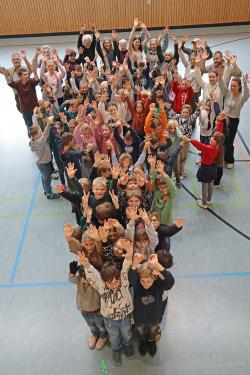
(135, 46)
(52, 77)
(235, 97)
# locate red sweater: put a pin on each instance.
(181, 97)
(209, 153)
(26, 93)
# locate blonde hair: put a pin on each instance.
(145, 270)
(100, 181)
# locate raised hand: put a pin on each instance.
(63, 117)
(204, 55)
(157, 267)
(179, 222)
(185, 37)
(89, 214)
(128, 247)
(68, 231)
(103, 234)
(82, 29)
(124, 179)
(23, 54)
(144, 216)
(85, 201)
(37, 50)
(73, 267)
(160, 167)
(228, 57)
(82, 259)
(245, 78)
(71, 171)
(115, 171)
(199, 104)
(137, 259)
(114, 199)
(152, 161)
(93, 232)
(98, 158)
(97, 35)
(136, 22)
(131, 213)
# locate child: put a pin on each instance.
(130, 143)
(88, 302)
(207, 171)
(42, 149)
(164, 194)
(145, 238)
(183, 93)
(116, 301)
(175, 137)
(164, 231)
(149, 284)
(185, 121)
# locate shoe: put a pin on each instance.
(55, 175)
(216, 186)
(174, 178)
(92, 342)
(152, 348)
(53, 196)
(117, 358)
(209, 202)
(100, 343)
(200, 204)
(178, 185)
(129, 351)
(230, 165)
(183, 175)
(143, 348)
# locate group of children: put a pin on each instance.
(116, 119)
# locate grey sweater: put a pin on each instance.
(41, 147)
(233, 105)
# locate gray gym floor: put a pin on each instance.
(206, 327)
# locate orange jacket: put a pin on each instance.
(148, 129)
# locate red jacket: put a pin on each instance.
(181, 97)
(209, 153)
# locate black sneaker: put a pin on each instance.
(53, 196)
(152, 348)
(129, 351)
(117, 358)
(143, 348)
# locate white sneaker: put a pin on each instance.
(230, 165)
(209, 202)
(200, 204)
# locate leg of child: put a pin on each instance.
(204, 186)
(46, 171)
(89, 319)
(218, 176)
(126, 331)
(210, 191)
(142, 334)
(154, 336)
(183, 157)
(176, 168)
(114, 334)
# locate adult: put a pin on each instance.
(26, 90)
(52, 77)
(86, 43)
(16, 59)
(234, 99)
(220, 62)
(196, 47)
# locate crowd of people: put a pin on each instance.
(115, 124)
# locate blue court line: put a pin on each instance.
(24, 229)
(180, 277)
(33, 285)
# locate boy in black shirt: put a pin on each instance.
(148, 282)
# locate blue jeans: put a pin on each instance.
(46, 170)
(119, 332)
(27, 116)
(95, 323)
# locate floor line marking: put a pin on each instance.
(24, 229)
(177, 277)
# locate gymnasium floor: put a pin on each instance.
(207, 324)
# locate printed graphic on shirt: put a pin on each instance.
(115, 299)
(147, 300)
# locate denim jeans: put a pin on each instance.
(46, 170)
(95, 323)
(27, 116)
(119, 332)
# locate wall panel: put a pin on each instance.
(34, 17)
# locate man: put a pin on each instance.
(220, 62)
(26, 91)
